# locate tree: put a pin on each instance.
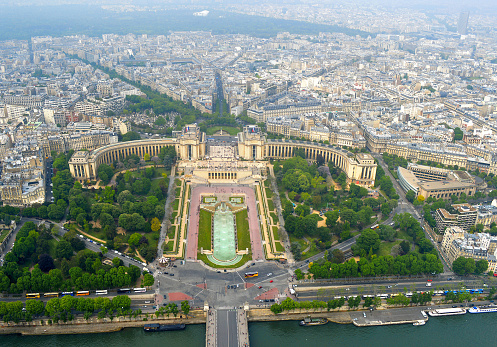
(405, 246)
(63, 250)
(134, 239)
(481, 266)
(410, 195)
(155, 224)
(148, 280)
(185, 307)
(45, 262)
(369, 240)
(462, 266)
(131, 136)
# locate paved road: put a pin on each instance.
(227, 329)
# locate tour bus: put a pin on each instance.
(101, 292)
(67, 293)
(123, 290)
(32, 295)
(82, 292)
(51, 295)
(251, 274)
(139, 290)
(376, 226)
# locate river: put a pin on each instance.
(465, 330)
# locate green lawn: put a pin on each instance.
(386, 247)
(276, 235)
(230, 130)
(303, 244)
(155, 183)
(171, 231)
(178, 191)
(279, 247)
(175, 204)
(168, 247)
(3, 235)
(266, 183)
(203, 257)
(269, 193)
(204, 230)
(270, 205)
(275, 219)
(242, 227)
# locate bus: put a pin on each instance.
(123, 290)
(251, 274)
(51, 295)
(82, 292)
(32, 295)
(139, 290)
(101, 292)
(67, 293)
(376, 226)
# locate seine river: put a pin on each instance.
(466, 330)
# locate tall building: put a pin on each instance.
(462, 24)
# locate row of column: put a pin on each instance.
(223, 175)
(114, 155)
(79, 170)
(366, 172)
(278, 151)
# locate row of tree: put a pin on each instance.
(63, 308)
(409, 264)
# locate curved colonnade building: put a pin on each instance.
(190, 145)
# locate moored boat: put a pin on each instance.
(483, 309)
(308, 321)
(163, 327)
(447, 312)
(419, 322)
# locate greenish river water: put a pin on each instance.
(465, 330)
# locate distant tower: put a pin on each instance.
(462, 25)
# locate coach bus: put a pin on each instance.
(67, 293)
(251, 274)
(32, 295)
(139, 290)
(376, 226)
(123, 290)
(101, 292)
(82, 292)
(51, 295)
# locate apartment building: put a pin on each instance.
(465, 217)
(458, 243)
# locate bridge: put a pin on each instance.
(226, 327)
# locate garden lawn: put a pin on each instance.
(203, 257)
(279, 247)
(386, 247)
(269, 193)
(204, 230)
(242, 230)
(270, 205)
(276, 235)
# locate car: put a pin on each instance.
(253, 264)
(269, 274)
(271, 281)
(260, 287)
(171, 274)
(271, 300)
(364, 314)
(147, 302)
(450, 278)
(175, 266)
(164, 304)
(219, 272)
(429, 280)
(389, 287)
(166, 273)
(454, 306)
(165, 296)
(266, 300)
(261, 300)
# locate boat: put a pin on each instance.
(419, 322)
(483, 309)
(447, 312)
(163, 327)
(308, 321)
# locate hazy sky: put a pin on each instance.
(442, 6)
